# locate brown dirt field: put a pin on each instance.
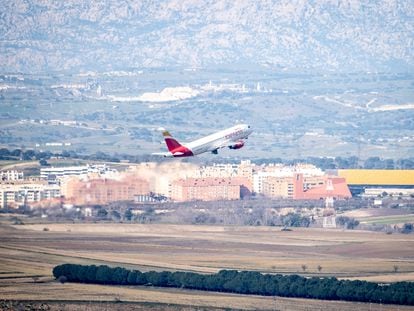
(97, 297)
(26, 251)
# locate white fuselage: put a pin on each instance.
(220, 139)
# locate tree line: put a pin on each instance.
(324, 163)
(244, 282)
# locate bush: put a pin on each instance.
(347, 222)
(407, 228)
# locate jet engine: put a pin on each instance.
(237, 145)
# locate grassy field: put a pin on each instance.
(382, 216)
(13, 165)
(388, 220)
(28, 253)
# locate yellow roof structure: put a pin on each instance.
(378, 177)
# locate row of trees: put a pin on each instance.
(323, 163)
(258, 216)
(245, 282)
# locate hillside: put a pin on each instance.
(331, 78)
(344, 35)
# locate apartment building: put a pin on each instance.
(328, 187)
(306, 188)
(13, 195)
(11, 175)
(206, 189)
(278, 187)
(103, 190)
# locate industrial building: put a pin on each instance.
(364, 181)
(55, 174)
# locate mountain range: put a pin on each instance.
(339, 35)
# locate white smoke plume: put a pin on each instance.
(161, 175)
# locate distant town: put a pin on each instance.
(300, 194)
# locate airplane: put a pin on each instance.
(231, 138)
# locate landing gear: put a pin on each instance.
(215, 151)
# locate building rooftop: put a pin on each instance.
(378, 177)
(209, 181)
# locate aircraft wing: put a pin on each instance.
(225, 144)
(163, 154)
(219, 146)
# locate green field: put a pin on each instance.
(388, 220)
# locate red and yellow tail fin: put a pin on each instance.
(171, 142)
